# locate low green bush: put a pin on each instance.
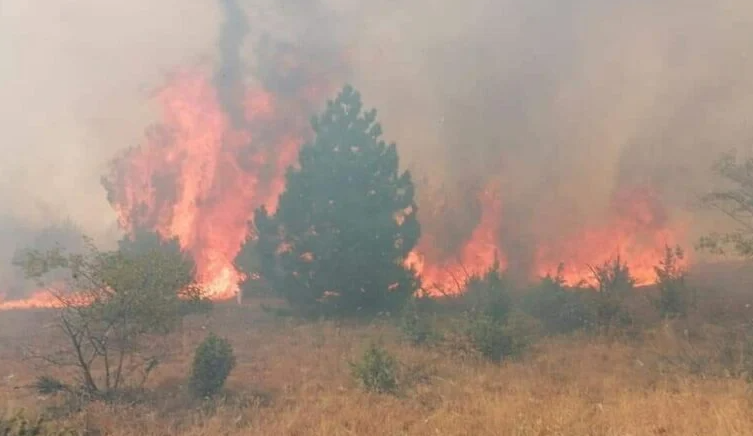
(212, 364)
(376, 370)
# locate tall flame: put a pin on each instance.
(199, 179)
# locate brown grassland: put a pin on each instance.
(293, 378)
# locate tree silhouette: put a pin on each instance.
(346, 221)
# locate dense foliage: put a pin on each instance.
(345, 222)
(212, 363)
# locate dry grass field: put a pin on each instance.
(294, 378)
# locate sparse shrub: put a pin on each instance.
(499, 341)
(47, 385)
(19, 425)
(523, 330)
(376, 370)
(674, 295)
(488, 337)
(490, 327)
(213, 361)
(560, 310)
(416, 326)
(490, 294)
(125, 305)
(736, 351)
(613, 283)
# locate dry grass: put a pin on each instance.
(294, 379)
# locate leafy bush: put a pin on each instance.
(416, 326)
(613, 283)
(124, 302)
(490, 294)
(674, 295)
(498, 341)
(377, 370)
(488, 337)
(212, 364)
(523, 330)
(560, 310)
(19, 425)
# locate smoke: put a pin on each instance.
(566, 102)
(228, 79)
(562, 102)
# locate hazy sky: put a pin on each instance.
(563, 100)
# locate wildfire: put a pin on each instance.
(39, 299)
(637, 230)
(199, 179)
(475, 256)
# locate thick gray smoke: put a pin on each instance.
(228, 79)
(564, 101)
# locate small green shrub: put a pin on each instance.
(19, 425)
(488, 337)
(560, 310)
(498, 341)
(376, 370)
(416, 326)
(523, 330)
(675, 297)
(490, 294)
(212, 364)
(47, 385)
(613, 283)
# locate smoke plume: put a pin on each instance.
(564, 105)
(228, 79)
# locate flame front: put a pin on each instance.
(199, 179)
(637, 230)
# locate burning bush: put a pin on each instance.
(346, 221)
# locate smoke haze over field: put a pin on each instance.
(562, 102)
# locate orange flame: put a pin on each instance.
(39, 299)
(475, 256)
(199, 179)
(637, 231)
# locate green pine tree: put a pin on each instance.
(346, 221)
